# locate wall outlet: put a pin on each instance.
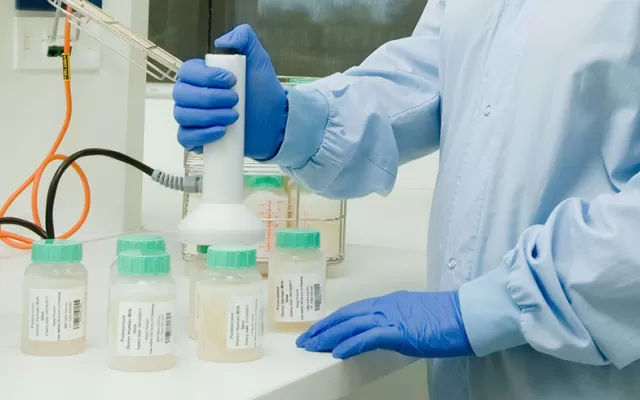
(36, 49)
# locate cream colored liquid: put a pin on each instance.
(194, 274)
(51, 348)
(134, 363)
(289, 327)
(54, 349)
(263, 268)
(213, 341)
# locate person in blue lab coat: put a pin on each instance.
(534, 244)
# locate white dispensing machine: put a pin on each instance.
(222, 217)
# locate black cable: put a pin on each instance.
(25, 224)
(55, 181)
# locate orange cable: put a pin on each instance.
(23, 242)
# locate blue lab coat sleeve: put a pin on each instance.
(348, 133)
(571, 287)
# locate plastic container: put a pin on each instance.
(231, 312)
(55, 300)
(324, 215)
(266, 197)
(141, 313)
(189, 203)
(196, 268)
(136, 242)
(193, 164)
(297, 277)
(332, 211)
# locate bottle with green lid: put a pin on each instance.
(266, 196)
(55, 284)
(136, 242)
(297, 277)
(230, 302)
(317, 212)
(198, 265)
(142, 304)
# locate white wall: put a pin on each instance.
(108, 112)
(406, 210)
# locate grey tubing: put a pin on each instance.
(188, 184)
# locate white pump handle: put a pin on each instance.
(223, 160)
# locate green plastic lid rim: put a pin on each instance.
(264, 181)
(153, 262)
(297, 238)
(295, 80)
(140, 242)
(229, 257)
(56, 251)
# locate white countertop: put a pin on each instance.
(285, 372)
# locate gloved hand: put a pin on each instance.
(416, 324)
(204, 99)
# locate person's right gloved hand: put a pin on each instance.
(204, 99)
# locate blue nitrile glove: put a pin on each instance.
(204, 99)
(416, 324)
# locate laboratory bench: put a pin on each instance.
(285, 372)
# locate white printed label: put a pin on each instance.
(299, 297)
(56, 314)
(244, 322)
(145, 329)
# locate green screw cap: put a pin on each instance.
(264, 182)
(297, 238)
(140, 242)
(227, 257)
(56, 251)
(151, 262)
(202, 249)
(296, 80)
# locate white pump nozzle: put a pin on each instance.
(222, 218)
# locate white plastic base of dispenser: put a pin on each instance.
(221, 225)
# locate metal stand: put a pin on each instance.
(160, 64)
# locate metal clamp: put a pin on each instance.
(54, 32)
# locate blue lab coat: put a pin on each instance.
(535, 108)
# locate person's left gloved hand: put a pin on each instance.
(416, 324)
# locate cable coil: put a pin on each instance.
(189, 184)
